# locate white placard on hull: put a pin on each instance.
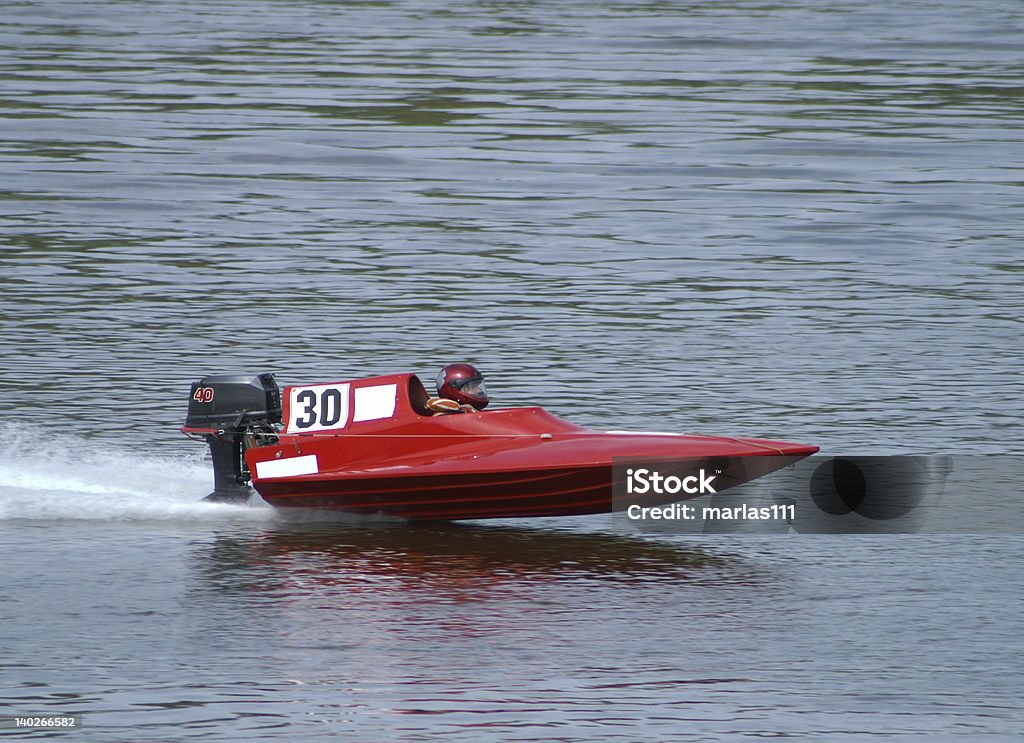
(291, 467)
(375, 403)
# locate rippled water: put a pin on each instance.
(798, 221)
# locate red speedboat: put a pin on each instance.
(373, 447)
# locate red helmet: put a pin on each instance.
(462, 383)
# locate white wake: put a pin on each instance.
(62, 476)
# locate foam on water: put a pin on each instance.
(45, 475)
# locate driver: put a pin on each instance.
(460, 389)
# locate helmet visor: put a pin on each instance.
(474, 387)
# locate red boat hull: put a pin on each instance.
(559, 492)
(518, 462)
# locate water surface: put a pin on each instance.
(796, 221)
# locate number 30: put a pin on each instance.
(325, 409)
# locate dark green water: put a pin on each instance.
(798, 221)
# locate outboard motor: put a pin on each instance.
(233, 412)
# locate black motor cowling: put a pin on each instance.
(232, 399)
(233, 412)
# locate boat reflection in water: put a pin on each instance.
(445, 558)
